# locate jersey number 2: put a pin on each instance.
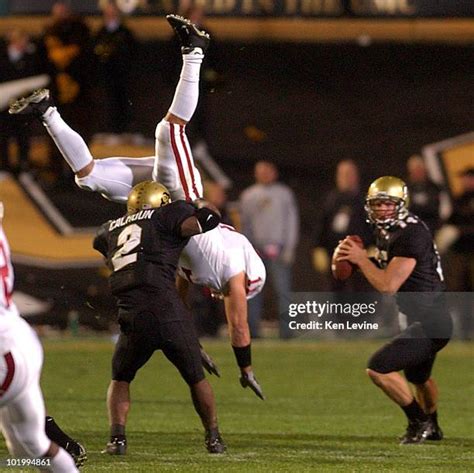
(128, 239)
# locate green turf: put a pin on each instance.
(322, 413)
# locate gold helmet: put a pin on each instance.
(147, 195)
(387, 188)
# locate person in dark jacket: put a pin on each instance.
(424, 193)
(115, 49)
(18, 59)
(343, 214)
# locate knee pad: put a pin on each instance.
(162, 131)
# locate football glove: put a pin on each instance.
(208, 363)
(248, 380)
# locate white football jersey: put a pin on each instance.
(212, 258)
(8, 311)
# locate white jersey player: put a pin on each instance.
(22, 410)
(214, 260)
(238, 277)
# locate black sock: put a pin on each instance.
(414, 412)
(434, 417)
(55, 434)
(117, 431)
(212, 433)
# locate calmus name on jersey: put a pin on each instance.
(120, 222)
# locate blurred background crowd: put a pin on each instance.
(307, 125)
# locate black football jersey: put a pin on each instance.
(411, 238)
(142, 249)
(421, 296)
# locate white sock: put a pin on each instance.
(72, 146)
(62, 462)
(187, 91)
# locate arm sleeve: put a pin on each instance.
(207, 218)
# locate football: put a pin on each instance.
(342, 270)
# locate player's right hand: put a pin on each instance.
(248, 380)
(208, 363)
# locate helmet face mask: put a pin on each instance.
(147, 195)
(386, 203)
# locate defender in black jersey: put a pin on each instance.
(142, 249)
(408, 265)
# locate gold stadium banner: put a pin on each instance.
(269, 8)
(34, 241)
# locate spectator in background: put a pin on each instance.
(68, 60)
(343, 214)
(460, 258)
(424, 194)
(18, 59)
(115, 49)
(270, 220)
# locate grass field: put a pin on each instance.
(322, 413)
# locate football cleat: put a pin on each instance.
(77, 452)
(435, 431)
(36, 103)
(214, 442)
(116, 447)
(189, 35)
(417, 432)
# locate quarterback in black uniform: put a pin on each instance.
(408, 264)
(142, 249)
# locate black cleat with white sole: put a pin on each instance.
(77, 452)
(190, 36)
(417, 432)
(435, 431)
(214, 442)
(116, 447)
(36, 103)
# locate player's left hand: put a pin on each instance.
(349, 250)
(248, 380)
(208, 363)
